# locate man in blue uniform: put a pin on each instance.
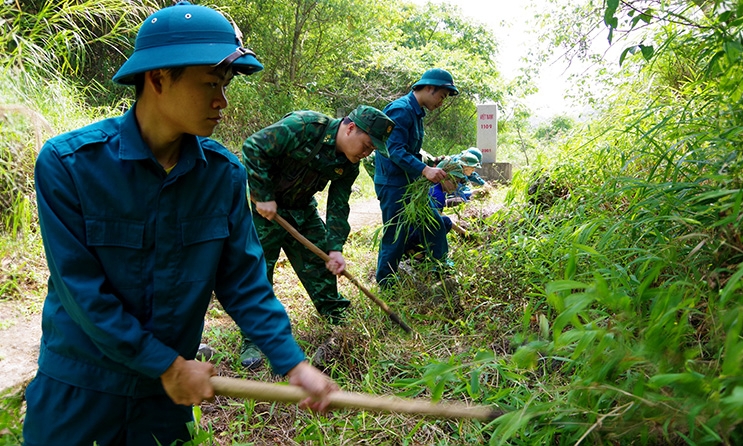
(404, 164)
(142, 218)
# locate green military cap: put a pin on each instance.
(375, 123)
(452, 167)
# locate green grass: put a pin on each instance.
(374, 355)
(11, 412)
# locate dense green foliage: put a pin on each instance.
(639, 315)
(602, 305)
(333, 56)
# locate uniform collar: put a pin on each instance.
(331, 132)
(415, 105)
(331, 135)
(133, 147)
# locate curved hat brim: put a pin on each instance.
(451, 87)
(379, 145)
(188, 55)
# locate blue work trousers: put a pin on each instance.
(60, 414)
(392, 247)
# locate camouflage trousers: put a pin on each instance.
(321, 284)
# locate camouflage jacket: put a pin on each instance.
(292, 159)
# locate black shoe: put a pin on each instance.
(205, 352)
(250, 356)
(325, 353)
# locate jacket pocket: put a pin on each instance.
(204, 229)
(124, 234)
(203, 241)
(119, 246)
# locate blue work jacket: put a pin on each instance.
(134, 255)
(404, 164)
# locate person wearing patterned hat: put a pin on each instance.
(288, 162)
(143, 219)
(469, 169)
(441, 192)
(403, 164)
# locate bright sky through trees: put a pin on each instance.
(512, 22)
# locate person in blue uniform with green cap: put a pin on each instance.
(143, 218)
(469, 161)
(472, 176)
(403, 165)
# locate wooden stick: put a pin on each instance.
(458, 229)
(260, 391)
(311, 246)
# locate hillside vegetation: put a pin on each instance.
(601, 304)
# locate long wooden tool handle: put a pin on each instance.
(260, 391)
(458, 229)
(311, 246)
(379, 302)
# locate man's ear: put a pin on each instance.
(155, 79)
(351, 127)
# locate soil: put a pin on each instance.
(364, 213)
(20, 331)
(19, 345)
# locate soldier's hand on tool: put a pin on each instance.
(267, 209)
(434, 174)
(187, 382)
(336, 264)
(314, 382)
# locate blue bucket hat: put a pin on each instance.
(438, 78)
(185, 35)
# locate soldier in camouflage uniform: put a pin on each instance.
(287, 163)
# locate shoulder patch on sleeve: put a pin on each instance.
(218, 149)
(71, 142)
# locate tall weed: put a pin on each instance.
(636, 332)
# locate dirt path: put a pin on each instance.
(20, 332)
(19, 345)
(364, 213)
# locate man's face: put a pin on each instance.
(468, 170)
(356, 144)
(434, 98)
(193, 103)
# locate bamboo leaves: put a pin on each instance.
(417, 212)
